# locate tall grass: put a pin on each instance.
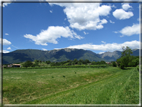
(71, 86)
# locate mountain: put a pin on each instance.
(58, 55)
(110, 56)
(113, 56)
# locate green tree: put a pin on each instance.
(27, 64)
(36, 63)
(102, 62)
(86, 61)
(75, 61)
(126, 51)
(48, 62)
(93, 63)
(114, 64)
(52, 63)
(125, 57)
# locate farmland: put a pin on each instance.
(110, 85)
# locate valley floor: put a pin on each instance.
(71, 86)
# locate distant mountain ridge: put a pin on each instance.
(58, 55)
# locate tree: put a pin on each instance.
(36, 63)
(86, 61)
(75, 61)
(125, 57)
(27, 64)
(48, 62)
(102, 62)
(52, 63)
(93, 63)
(126, 51)
(114, 64)
(133, 61)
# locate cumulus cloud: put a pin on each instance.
(111, 21)
(9, 48)
(130, 30)
(85, 15)
(108, 47)
(5, 51)
(6, 34)
(85, 33)
(52, 34)
(50, 11)
(121, 14)
(103, 42)
(101, 52)
(44, 49)
(126, 6)
(5, 42)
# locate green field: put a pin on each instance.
(71, 86)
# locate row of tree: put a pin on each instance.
(67, 63)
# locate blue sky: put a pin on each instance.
(98, 27)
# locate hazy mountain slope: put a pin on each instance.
(53, 55)
(113, 56)
(60, 55)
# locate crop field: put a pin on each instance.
(109, 85)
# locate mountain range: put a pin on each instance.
(58, 55)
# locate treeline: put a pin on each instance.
(37, 63)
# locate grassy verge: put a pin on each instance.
(71, 86)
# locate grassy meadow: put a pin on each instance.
(109, 85)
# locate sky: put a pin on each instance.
(99, 27)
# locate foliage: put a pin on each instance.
(125, 58)
(98, 63)
(114, 64)
(27, 64)
(48, 62)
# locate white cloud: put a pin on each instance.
(103, 42)
(85, 33)
(5, 42)
(5, 51)
(9, 48)
(111, 21)
(130, 30)
(121, 14)
(44, 49)
(85, 15)
(116, 32)
(6, 34)
(52, 34)
(101, 52)
(108, 47)
(50, 11)
(126, 6)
